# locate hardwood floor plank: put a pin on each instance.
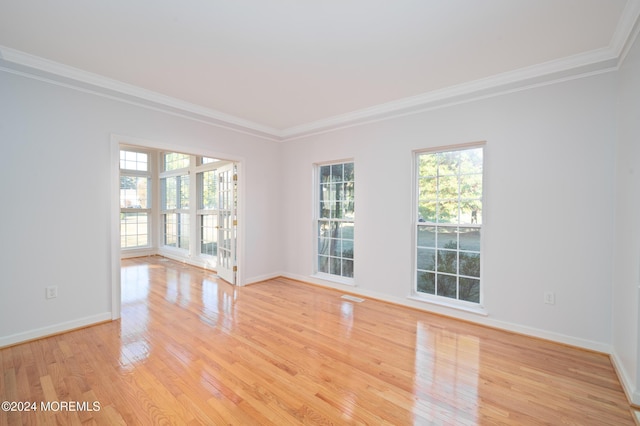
(192, 349)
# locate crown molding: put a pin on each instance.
(626, 30)
(23, 63)
(576, 66)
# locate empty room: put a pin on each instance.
(320, 212)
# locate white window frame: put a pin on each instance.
(148, 174)
(418, 222)
(317, 273)
(179, 210)
(201, 168)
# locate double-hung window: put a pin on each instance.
(449, 223)
(174, 187)
(208, 206)
(335, 219)
(135, 199)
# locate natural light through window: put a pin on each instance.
(207, 210)
(335, 220)
(132, 160)
(135, 199)
(174, 187)
(449, 223)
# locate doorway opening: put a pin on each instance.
(178, 204)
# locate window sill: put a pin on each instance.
(334, 279)
(136, 252)
(173, 249)
(460, 306)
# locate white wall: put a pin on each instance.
(55, 181)
(626, 272)
(549, 164)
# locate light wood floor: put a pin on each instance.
(191, 349)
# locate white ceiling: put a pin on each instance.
(284, 67)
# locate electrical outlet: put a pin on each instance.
(51, 292)
(549, 298)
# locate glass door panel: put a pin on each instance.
(227, 223)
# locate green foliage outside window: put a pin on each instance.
(336, 219)
(449, 223)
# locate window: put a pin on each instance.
(449, 223)
(335, 219)
(191, 218)
(207, 211)
(207, 160)
(174, 185)
(135, 201)
(133, 160)
(175, 161)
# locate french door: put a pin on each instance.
(227, 222)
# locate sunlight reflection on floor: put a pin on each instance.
(451, 374)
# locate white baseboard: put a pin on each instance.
(179, 257)
(633, 395)
(127, 254)
(484, 319)
(549, 335)
(53, 329)
(260, 278)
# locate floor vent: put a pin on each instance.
(352, 298)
